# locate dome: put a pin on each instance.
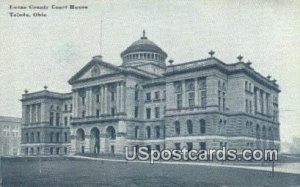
(143, 50)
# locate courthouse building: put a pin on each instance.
(202, 104)
(10, 135)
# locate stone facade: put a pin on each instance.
(10, 135)
(201, 104)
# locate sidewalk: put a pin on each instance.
(293, 168)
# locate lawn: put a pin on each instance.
(79, 172)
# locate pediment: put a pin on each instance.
(94, 69)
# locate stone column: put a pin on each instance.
(102, 99)
(105, 99)
(87, 143)
(24, 117)
(39, 113)
(75, 103)
(121, 138)
(73, 144)
(89, 102)
(118, 98)
(258, 101)
(264, 102)
(30, 113)
(103, 142)
(123, 96)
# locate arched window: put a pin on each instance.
(111, 132)
(177, 128)
(81, 134)
(136, 132)
(189, 126)
(202, 126)
(148, 129)
(157, 130)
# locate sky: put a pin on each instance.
(40, 51)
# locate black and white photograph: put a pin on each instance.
(172, 93)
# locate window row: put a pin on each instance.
(68, 107)
(157, 96)
(32, 137)
(189, 126)
(156, 112)
(189, 146)
(56, 137)
(52, 150)
(141, 56)
(54, 118)
(190, 85)
(157, 131)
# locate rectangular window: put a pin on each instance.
(202, 145)
(113, 111)
(177, 129)
(224, 106)
(98, 98)
(66, 107)
(83, 100)
(51, 118)
(219, 100)
(157, 112)
(136, 112)
(157, 95)
(112, 96)
(261, 102)
(246, 105)
(179, 101)
(203, 98)
(191, 99)
(148, 96)
(66, 136)
(38, 138)
(136, 95)
(148, 113)
(66, 121)
(189, 146)
(83, 114)
(71, 107)
(165, 94)
(57, 119)
(97, 112)
(177, 146)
